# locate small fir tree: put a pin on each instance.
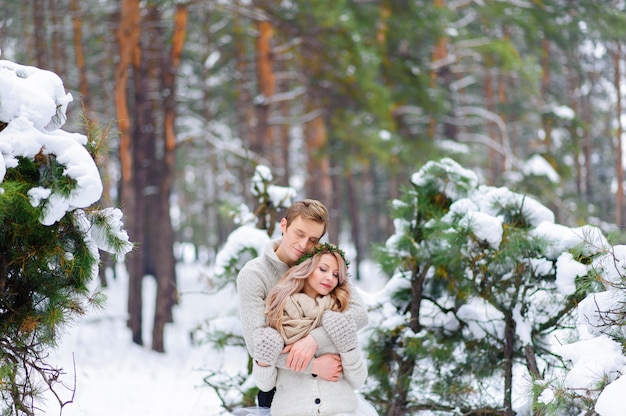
(472, 298)
(50, 235)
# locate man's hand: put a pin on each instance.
(327, 366)
(300, 353)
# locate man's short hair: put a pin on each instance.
(308, 209)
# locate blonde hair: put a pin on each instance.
(294, 280)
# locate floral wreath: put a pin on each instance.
(324, 248)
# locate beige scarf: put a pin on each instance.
(302, 314)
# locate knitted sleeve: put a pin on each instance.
(264, 377)
(357, 310)
(354, 367)
(251, 290)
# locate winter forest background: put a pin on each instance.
(470, 150)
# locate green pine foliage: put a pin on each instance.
(45, 272)
(429, 353)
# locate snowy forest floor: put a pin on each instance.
(117, 377)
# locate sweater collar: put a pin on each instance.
(270, 254)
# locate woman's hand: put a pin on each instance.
(328, 367)
(300, 353)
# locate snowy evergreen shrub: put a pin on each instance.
(50, 231)
(481, 281)
(245, 243)
(595, 360)
(255, 228)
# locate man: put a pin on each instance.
(304, 224)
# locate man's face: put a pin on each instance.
(298, 238)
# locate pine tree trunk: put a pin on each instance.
(243, 98)
(318, 183)
(282, 157)
(573, 85)
(267, 85)
(619, 168)
(440, 51)
(509, 345)
(42, 57)
(502, 138)
(77, 31)
(245, 109)
(406, 365)
(128, 42)
(587, 149)
(57, 40)
(494, 167)
(279, 157)
(148, 73)
(107, 260)
(353, 212)
(165, 265)
(144, 137)
(545, 90)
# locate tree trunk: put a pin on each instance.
(147, 81)
(77, 31)
(282, 157)
(267, 85)
(502, 139)
(573, 85)
(165, 266)
(406, 365)
(440, 51)
(243, 98)
(587, 146)
(42, 58)
(353, 213)
(318, 183)
(509, 344)
(128, 42)
(152, 169)
(107, 260)
(488, 92)
(619, 168)
(545, 90)
(245, 109)
(57, 38)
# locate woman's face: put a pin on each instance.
(324, 278)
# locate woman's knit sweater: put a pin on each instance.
(302, 394)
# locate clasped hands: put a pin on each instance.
(327, 366)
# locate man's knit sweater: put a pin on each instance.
(254, 281)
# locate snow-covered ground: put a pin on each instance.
(116, 377)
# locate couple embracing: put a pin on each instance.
(300, 315)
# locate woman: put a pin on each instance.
(316, 291)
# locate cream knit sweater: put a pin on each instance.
(254, 281)
(302, 394)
